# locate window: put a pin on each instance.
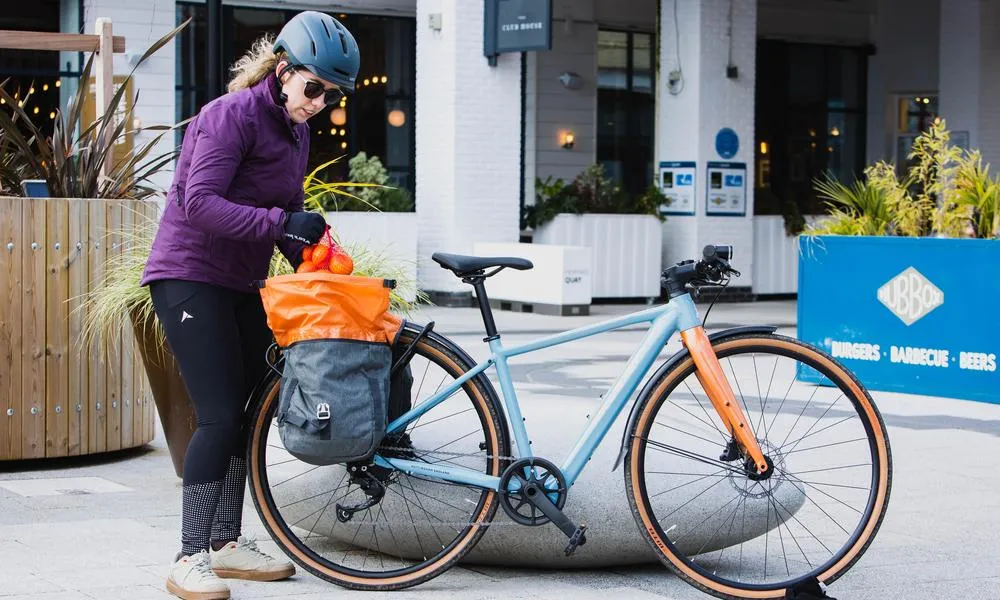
(43, 80)
(810, 119)
(626, 107)
(377, 119)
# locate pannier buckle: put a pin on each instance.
(323, 411)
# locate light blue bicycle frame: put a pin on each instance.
(677, 315)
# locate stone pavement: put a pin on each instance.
(105, 528)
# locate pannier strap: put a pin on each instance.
(309, 427)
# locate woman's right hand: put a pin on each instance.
(306, 227)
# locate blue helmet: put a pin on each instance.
(322, 44)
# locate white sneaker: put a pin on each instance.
(191, 578)
(242, 559)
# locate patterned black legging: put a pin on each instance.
(218, 337)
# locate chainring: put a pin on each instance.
(526, 470)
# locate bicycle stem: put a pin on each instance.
(713, 379)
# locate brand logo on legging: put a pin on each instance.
(185, 316)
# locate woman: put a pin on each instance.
(236, 193)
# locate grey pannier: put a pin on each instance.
(336, 335)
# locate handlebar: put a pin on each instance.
(713, 268)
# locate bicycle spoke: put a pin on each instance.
(685, 432)
(684, 485)
(724, 435)
(807, 434)
(864, 439)
(725, 438)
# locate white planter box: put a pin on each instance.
(625, 250)
(394, 234)
(775, 256)
(559, 282)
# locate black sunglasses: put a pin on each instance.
(314, 89)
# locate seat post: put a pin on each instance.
(479, 285)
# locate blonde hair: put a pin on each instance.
(255, 64)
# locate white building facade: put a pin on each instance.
(482, 135)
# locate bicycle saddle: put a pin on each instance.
(465, 265)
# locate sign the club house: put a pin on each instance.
(516, 26)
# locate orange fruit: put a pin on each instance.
(307, 254)
(306, 267)
(341, 263)
(320, 255)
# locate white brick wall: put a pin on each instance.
(155, 79)
(468, 139)
(708, 102)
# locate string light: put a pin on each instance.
(2, 101)
(367, 81)
(58, 83)
(36, 110)
(319, 132)
(384, 79)
(333, 132)
(45, 87)
(342, 132)
(31, 90)
(343, 145)
(52, 115)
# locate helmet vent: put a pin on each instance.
(314, 48)
(327, 30)
(342, 72)
(343, 42)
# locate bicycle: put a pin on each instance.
(704, 417)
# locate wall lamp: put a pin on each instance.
(568, 140)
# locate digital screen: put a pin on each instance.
(716, 180)
(668, 179)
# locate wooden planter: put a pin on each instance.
(57, 397)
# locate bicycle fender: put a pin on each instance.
(670, 364)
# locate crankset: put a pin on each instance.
(534, 485)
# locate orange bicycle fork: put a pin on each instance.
(713, 380)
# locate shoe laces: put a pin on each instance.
(251, 546)
(202, 563)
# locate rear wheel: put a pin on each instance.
(718, 524)
(419, 527)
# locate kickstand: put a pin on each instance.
(808, 590)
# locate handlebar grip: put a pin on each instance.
(712, 252)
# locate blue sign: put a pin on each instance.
(684, 179)
(913, 315)
(734, 181)
(727, 143)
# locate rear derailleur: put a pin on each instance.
(372, 480)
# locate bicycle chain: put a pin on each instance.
(444, 523)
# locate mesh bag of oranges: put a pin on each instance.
(336, 334)
(326, 256)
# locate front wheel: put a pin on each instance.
(708, 514)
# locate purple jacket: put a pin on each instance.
(241, 167)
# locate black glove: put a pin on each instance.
(305, 227)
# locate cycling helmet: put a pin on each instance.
(320, 43)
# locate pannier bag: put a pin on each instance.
(337, 336)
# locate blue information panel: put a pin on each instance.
(677, 181)
(913, 315)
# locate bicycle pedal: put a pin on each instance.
(576, 540)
